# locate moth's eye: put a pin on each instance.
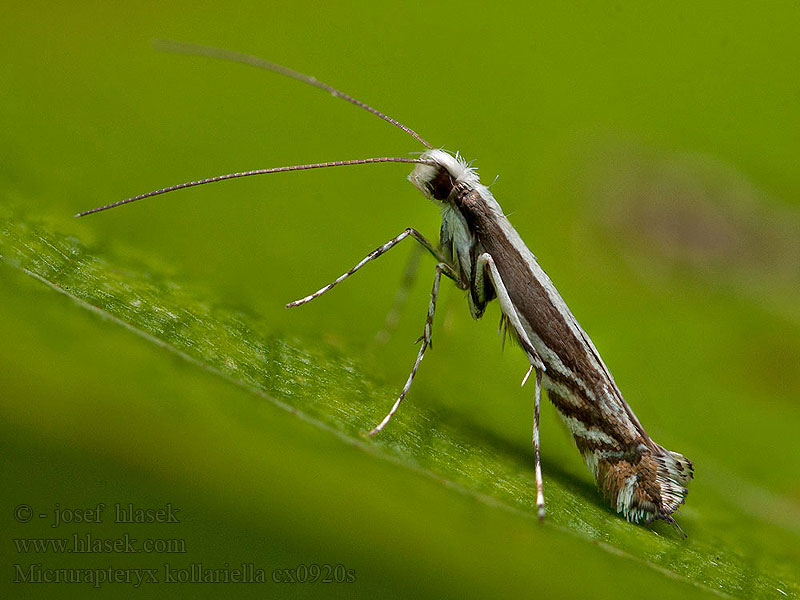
(440, 185)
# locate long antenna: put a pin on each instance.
(254, 61)
(188, 184)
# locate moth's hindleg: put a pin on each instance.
(485, 261)
(539, 483)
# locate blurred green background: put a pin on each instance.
(646, 154)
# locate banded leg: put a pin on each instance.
(447, 269)
(485, 261)
(426, 341)
(539, 484)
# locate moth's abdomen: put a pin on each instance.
(640, 479)
(649, 485)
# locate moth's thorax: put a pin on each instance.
(438, 180)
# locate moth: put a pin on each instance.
(481, 253)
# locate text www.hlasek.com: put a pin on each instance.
(86, 543)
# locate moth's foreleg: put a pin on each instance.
(375, 254)
(426, 341)
(486, 264)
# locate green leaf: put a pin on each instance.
(647, 154)
(328, 391)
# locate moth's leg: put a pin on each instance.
(539, 484)
(480, 290)
(486, 263)
(447, 270)
(426, 341)
(400, 298)
(536, 402)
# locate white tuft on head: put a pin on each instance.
(456, 167)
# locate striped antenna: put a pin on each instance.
(254, 61)
(188, 184)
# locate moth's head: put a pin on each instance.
(438, 178)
